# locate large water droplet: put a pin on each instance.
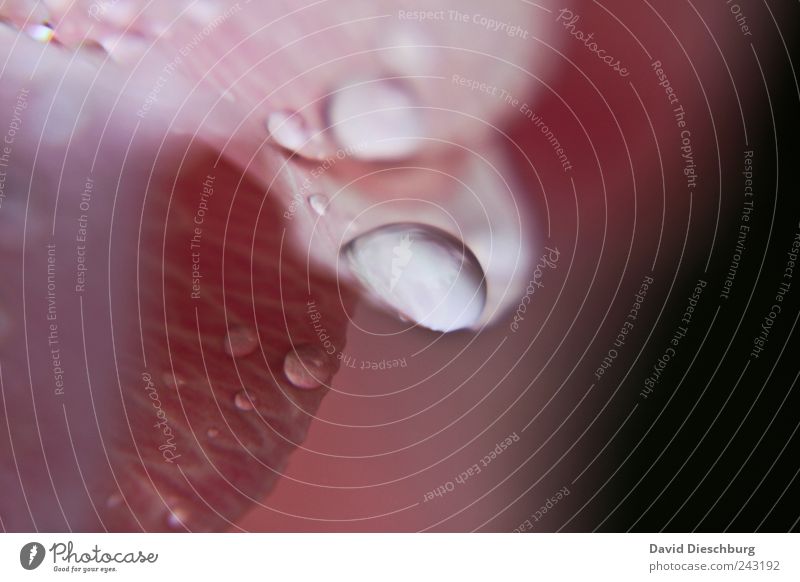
(307, 367)
(290, 131)
(243, 401)
(375, 120)
(212, 433)
(425, 274)
(240, 342)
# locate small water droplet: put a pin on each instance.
(290, 131)
(429, 276)
(40, 32)
(93, 49)
(114, 500)
(307, 367)
(243, 401)
(375, 120)
(318, 203)
(177, 518)
(212, 433)
(173, 381)
(241, 342)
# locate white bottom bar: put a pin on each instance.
(389, 557)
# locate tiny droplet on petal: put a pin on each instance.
(243, 401)
(240, 342)
(40, 32)
(173, 381)
(290, 131)
(177, 518)
(318, 203)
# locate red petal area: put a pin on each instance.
(119, 399)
